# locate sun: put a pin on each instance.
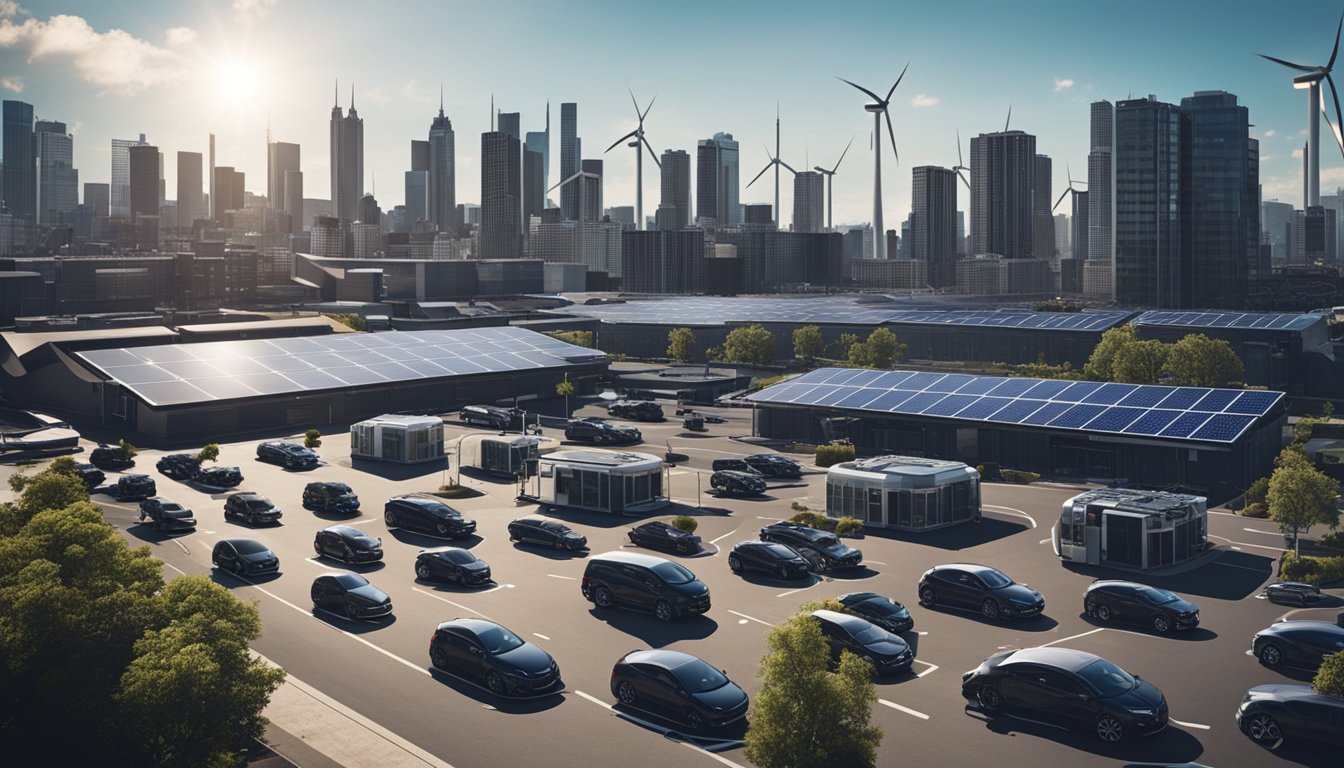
(238, 83)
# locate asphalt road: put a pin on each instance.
(381, 669)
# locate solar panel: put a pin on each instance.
(918, 401)
(1017, 410)
(1115, 419)
(1013, 387)
(1253, 402)
(1270, 322)
(1110, 394)
(950, 405)
(1185, 424)
(1183, 398)
(981, 385)
(1223, 427)
(1077, 416)
(984, 407)
(1145, 396)
(1043, 390)
(1151, 423)
(1216, 400)
(950, 383)
(1047, 413)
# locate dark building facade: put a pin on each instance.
(501, 197)
(933, 227)
(1003, 171)
(1152, 141)
(663, 262)
(20, 159)
(145, 282)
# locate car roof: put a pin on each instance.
(417, 500)
(1115, 583)
(1287, 691)
(971, 567)
(474, 626)
(737, 473)
(1060, 658)
(136, 476)
(629, 558)
(1296, 624)
(235, 541)
(771, 457)
(347, 530)
(1293, 585)
(247, 495)
(843, 619)
(660, 658)
(443, 550)
(860, 597)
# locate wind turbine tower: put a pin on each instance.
(879, 108)
(776, 162)
(638, 136)
(830, 176)
(1311, 82)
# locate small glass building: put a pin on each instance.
(906, 493)
(398, 438)
(1132, 529)
(602, 481)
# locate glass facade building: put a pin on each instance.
(1151, 266)
(903, 492)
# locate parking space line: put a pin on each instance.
(495, 588)
(724, 536)
(665, 732)
(1245, 544)
(1263, 533)
(906, 710)
(1073, 637)
(932, 668)
(751, 618)
(1010, 511)
(1184, 724)
(800, 589)
(557, 576)
(1242, 567)
(874, 562)
(538, 634)
(763, 517)
(450, 602)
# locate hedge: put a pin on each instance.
(812, 520)
(1311, 569)
(1257, 509)
(1019, 476)
(834, 454)
(685, 523)
(848, 526)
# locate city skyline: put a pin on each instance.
(234, 69)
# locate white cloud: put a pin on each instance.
(179, 36)
(1270, 133)
(1063, 84)
(924, 100)
(9, 9)
(1266, 158)
(1297, 153)
(114, 59)
(14, 84)
(375, 95)
(419, 93)
(252, 9)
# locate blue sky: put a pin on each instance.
(177, 71)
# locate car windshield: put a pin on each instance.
(827, 540)
(498, 640)
(442, 510)
(1106, 678)
(341, 488)
(881, 605)
(259, 503)
(994, 579)
(673, 573)
(351, 580)
(172, 506)
(871, 634)
(362, 541)
(779, 550)
(459, 556)
(1157, 596)
(249, 547)
(698, 677)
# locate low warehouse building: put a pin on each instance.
(1132, 529)
(398, 438)
(601, 481)
(906, 493)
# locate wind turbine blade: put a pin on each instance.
(646, 109)
(892, 135)
(962, 176)
(623, 138)
(1010, 117)
(1335, 51)
(861, 88)
(898, 82)
(566, 181)
(632, 99)
(1068, 174)
(1289, 64)
(767, 167)
(1336, 126)
(819, 169)
(1061, 199)
(786, 165)
(842, 155)
(652, 154)
(960, 163)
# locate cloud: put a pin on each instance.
(114, 59)
(179, 36)
(14, 84)
(252, 9)
(9, 9)
(1063, 84)
(419, 93)
(1266, 158)
(1270, 133)
(923, 100)
(1297, 153)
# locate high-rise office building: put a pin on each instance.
(500, 229)
(1062, 241)
(121, 174)
(1100, 184)
(1002, 181)
(281, 157)
(512, 124)
(190, 195)
(420, 152)
(534, 189)
(347, 162)
(591, 207)
(57, 179)
(809, 202)
(1042, 221)
(98, 196)
(294, 200)
(1150, 266)
(369, 211)
(1078, 226)
(569, 159)
(717, 185)
(417, 197)
(540, 142)
(1276, 221)
(442, 173)
(209, 179)
(143, 164)
(676, 188)
(933, 226)
(229, 190)
(20, 180)
(663, 262)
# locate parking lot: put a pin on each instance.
(381, 668)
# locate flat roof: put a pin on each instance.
(1239, 320)
(901, 465)
(601, 458)
(22, 343)
(1133, 500)
(404, 420)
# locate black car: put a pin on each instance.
(779, 560)
(830, 551)
(220, 477)
(1113, 600)
(179, 466)
(245, 557)
(351, 595)
(886, 651)
(492, 416)
(330, 496)
(167, 515)
(601, 432)
(484, 652)
(91, 475)
(347, 544)
(636, 410)
(732, 483)
(1293, 593)
(1072, 688)
(1297, 643)
(774, 465)
(660, 535)
(112, 457)
(547, 533)
(978, 587)
(679, 686)
(418, 513)
(882, 611)
(133, 488)
(1295, 714)
(451, 564)
(252, 507)
(735, 465)
(287, 455)
(644, 582)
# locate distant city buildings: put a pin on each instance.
(347, 162)
(933, 230)
(121, 176)
(1100, 244)
(190, 189)
(674, 209)
(57, 179)
(809, 202)
(1003, 171)
(20, 158)
(717, 180)
(569, 158)
(500, 230)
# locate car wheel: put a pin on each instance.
(347, 554)
(782, 572)
(351, 611)
(1162, 624)
(1264, 729)
(438, 658)
(1271, 655)
(390, 518)
(1103, 613)
(989, 609)
(558, 544)
(422, 571)
(602, 597)
(441, 529)
(987, 696)
(734, 563)
(663, 610)
(694, 721)
(1109, 729)
(238, 568)
(927, 596)
(626, 693)
(495, 682)
(683, 547)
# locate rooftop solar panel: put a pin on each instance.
(1146, 396)
(950, 405)
(981, 385)
(1016, 411)
(1013, 387)
(1278, 322)
(1253, 402)
(1114, 419)
(1223, 427)
(1042, 390)
(1110, 394)
(1151, 422)
(1216, 400)
(1077, 391)
(984, 407)
(1183, 398)
(1047, 413)
(1185, 424)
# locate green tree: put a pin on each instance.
(1327, 410)
(126, 446)
(1042, 369)
(807, 343)
(208, 452)
(880, 350)
(1099, 365)
(1258, 493)
(312, 438)
(1329, 680)
(1198, 361)
(565, 388)
(577, 338)
(841, 346)
(681, 344)
(750, 344)
(805, 715)
(351, 320)
(47, 490)
(1139, 362)
(1301, 496)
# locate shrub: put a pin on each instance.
(1311, 569)
(1329, 679)
(797, 507)
(1019, 476)
(312, 439)
(1332, 540)
(1258, 510)
(126, 446)
(1258, 493)
(210, 452)
(848, 526)
(685, 523)
(828, 455)
(811, 520)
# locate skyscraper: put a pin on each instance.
(933, 225)
(540, 142)
(57, 179)
(1150, 266)
(534, 190)
(500, 229)
(591, 209)
(294, 200)
(121, 174)
(1100, 181)
(189, 189)
(417, 196)
(569, 159)
(347, 162)
(420, 154)
(1002, 180)
(209, 179)
(717, 185)
(98, 197)
(676, 187)
(442, 172)
(143, 164)
(512, 124)
(229, 190)
(1078, 223)
(809, 202)
(281, 157)
(1042, 221)
(20, 180)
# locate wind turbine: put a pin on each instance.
(830, 196)
(776, 162)
(1068, 192)
(959, 167)
(1311, 82)
(879, 108)
(575, 176)
(638, 136)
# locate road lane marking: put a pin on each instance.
(1236, 549)
(495, 588)
(932, 668)
(874, 562)
(1010, 511)
(751, 618)
(1073, 637)
(1263, 533)
(538, 634)
(1245, 543)
(906, 710)
(724, 536)
(450, 602)
(566, 578)
(763, 517)
(800, 589)
(668, 732)
(1242, 567)
(1188, 725)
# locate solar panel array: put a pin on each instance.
(1178, 413)
(711, 310)
(175, 374)
(1272, 322)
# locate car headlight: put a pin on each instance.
(1134, 711)
(1023, 603)
(517, 673)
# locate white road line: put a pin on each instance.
(874, 562)
(495, 588)
(1010, 511)
(1073, 637)
(724, 536)
(538, 634)
(450, 602)
(666, 732)
(1188, 725)
(1236, 549)
(1229, 514)
(566, 578)
(1242, 567)
(906, 710)
(800, 589)
(707, 753)
(1263, 533)
(751, 618)
(932, 668)
(763, 517)
(1043, 541)
(1245, 543)
(175, 568)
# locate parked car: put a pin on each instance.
(252, 507)
(679, 686)
(774, 465)
(331, 497)
(1114, 600)
(1293, 593)
(1070, 688)
(451, 564)
(979, 587)
(427, 515)
(133, 488)
(694, 422)
(487, 653)
(1297, 643)
(659, 535)
(287, 455)
(91, 475)
(167, 515)
(179, 466)
(492, 416)
(777, 559)
(732, 483)
(644, 582)
(601, 432)
(636, 410)
(735, 465)
(220, 477)
(347, 544)
(1293, 714)
(351, 595)
(882, 611)
(886, 651)
(831, 552)
(111, 457)
(548, 533)
(245, 557)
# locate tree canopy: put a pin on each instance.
(1301, 496)
(681, 344)
(807, 343)
(1099, 367)
(1329, 678)
(880, 350)
(750, 344)
(208, 452)
(1139, 362)
(1198, 361)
